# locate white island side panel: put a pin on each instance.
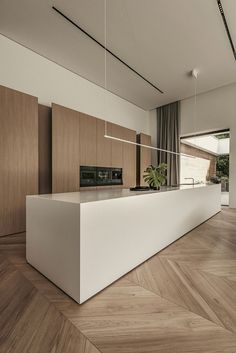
(117, 235)
(53, 241)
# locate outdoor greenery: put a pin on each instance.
(222, 136)
(222, 166)
(155, 176)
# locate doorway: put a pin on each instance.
(210, 161)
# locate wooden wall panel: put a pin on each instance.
(129, 159)
(45, 149)
(145, 156)
(104, 148)
(117, 146)
(18, 157)
(104, 155)
(65, 149)
(87, 140)
(78, 139)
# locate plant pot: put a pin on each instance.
(155, 187)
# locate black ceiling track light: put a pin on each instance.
(102, 46)
(220, 6)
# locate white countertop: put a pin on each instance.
(108, 194)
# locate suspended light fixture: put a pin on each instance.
(146, 146)
(106, 135)
(195, 73)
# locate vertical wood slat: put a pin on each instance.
(18, 157)
(117, 146)
(104, 145)
(87, 140)
(65, 149)
(45, 149)
(129, 159)
(144, 156)
(104, 153)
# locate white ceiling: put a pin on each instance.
(161, 39)
(209, 143)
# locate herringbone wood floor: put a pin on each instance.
(182, 300)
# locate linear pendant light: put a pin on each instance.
(146, 146)
(106, 135)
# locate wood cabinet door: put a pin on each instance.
(129, 159)
(117, 146)
(45, 149)
(65, 149)
(88, 140)
(145, 156)
(18, 157)
(104, 155)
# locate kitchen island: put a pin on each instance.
(84, 241)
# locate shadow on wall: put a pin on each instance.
(201, 168)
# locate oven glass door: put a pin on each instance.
(103, 176)
(117, 176)
(87, 176)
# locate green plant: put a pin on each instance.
(222, 136)
(222, 166)
(155, 176)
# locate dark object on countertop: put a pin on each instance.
(140, 188)
(215, 180)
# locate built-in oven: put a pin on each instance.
(98, 176)
(88, 176)
(116, 176)
(103, 176)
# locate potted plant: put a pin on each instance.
(224, 183)
(155, 176)
(215, 180)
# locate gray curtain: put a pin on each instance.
(168, 127)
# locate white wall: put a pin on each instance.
(196, 168)
(216, 110)
(26, 71)
(224, 146)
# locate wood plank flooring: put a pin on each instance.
(182, 300)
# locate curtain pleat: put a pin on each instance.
(168, 138)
